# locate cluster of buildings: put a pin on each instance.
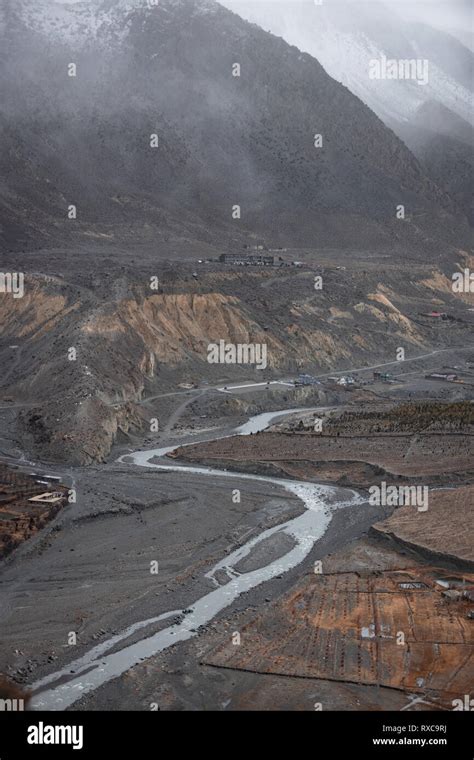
(457, 590)
(344, 381)
(450, 377)
(257, 259)
(27, 502)
(245, 259)
(382, 377)
(434, 314)
(305, 380)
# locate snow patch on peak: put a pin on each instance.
(345, 37)
(78, 22)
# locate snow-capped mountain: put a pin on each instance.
(82, 22)
(346, 36)
(78, 24)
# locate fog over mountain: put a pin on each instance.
(348, 36)
(345, 36)
(223, 140)
(452, 16)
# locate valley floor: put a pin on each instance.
(89, 573)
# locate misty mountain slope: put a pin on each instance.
(435, 117)
(345, 36)
(444, 144)
(222, 140)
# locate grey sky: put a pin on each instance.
(445, 14)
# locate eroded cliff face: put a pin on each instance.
(177, 326)
(79, 361)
